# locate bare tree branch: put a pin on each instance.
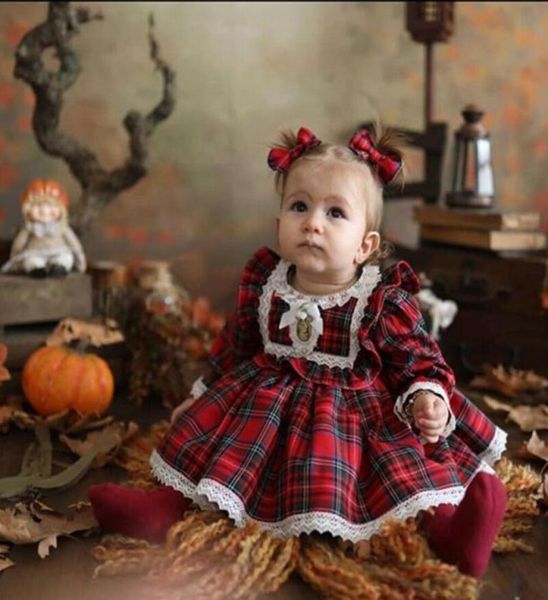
(99, 186)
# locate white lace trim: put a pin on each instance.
(277, 283)
(198, 388)
(210, 494)
(497, 446)
(433, 387)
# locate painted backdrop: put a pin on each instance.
(246, 71)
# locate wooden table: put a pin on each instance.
(67, 573)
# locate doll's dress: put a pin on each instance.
(305, 430)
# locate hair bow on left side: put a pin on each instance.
(387, 165)
(280, 159)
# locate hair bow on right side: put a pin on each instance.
(387, 165)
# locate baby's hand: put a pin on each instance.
(179, 410)
(430, 415)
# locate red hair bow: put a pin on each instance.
(280, 159)
(387, 165)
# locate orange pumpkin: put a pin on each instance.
(56, 378)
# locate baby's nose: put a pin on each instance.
(313, 222)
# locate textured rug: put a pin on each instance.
(206, 557)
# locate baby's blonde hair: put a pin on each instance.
(389, 141)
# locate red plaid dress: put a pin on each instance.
(305, 432)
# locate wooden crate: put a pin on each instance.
(30, 308)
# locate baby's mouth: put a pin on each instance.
(310, 245)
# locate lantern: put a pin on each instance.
(429, 22)
(473, 183)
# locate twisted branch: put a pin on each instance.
(99, 186)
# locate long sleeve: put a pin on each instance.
(409, 354)
(240, 339)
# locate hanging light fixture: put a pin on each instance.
(472, 183)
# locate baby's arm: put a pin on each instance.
(240, 338)
(414, 366)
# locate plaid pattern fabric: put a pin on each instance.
(291, 437)
(336, 322)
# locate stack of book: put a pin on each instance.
(500, 231)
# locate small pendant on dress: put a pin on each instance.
(304, 329)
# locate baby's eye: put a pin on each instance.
(298, 206)
(336, 212)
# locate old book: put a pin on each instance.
(485, 239)
(511, 220)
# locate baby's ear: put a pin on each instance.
(371, 242)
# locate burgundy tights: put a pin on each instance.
(463, 535)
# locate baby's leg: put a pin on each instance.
(137, 513)
(464, 535)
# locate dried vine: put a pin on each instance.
(99, 186)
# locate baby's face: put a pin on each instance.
(44, 212)
(322, 227)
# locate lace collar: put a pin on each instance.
(277, 284)
(364, 285)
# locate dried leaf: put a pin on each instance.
(496, 404)
(88, 422)
(102, 444)
(535, 447)
(46, 544)
(35, 522)
(528, 418)
(97, 334)
(70, 421)
(545, 488)
(5, 563)
(36, 464)
(12, 412)
(511, 382)
(58, 421)
(6, 417)
(111, 439)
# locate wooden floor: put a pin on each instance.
(67, 573)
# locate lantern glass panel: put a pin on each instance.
(485, 172)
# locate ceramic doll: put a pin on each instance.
(45, 245)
